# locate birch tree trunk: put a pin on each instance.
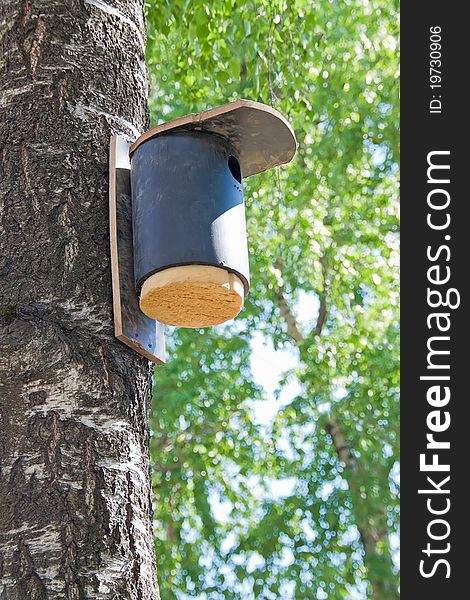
(75, 511)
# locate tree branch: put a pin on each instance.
(323, 309)
(293, 328)
(343, 449)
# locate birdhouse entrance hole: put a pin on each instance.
(234, 167)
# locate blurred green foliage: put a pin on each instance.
(325, 227)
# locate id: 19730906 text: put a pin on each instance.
(435, 69)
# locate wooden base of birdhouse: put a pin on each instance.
(131, 326)
(192, 296)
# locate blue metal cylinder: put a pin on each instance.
(187, 205)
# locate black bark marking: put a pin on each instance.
(37, 397)
(30, 585)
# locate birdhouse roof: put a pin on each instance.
(261, 136)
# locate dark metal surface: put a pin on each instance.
(132, 327)
(187, 205)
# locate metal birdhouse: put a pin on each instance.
(177, 217)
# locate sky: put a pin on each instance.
(268, 365)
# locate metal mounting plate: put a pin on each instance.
(131, 326)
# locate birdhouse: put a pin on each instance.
(178, 193)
